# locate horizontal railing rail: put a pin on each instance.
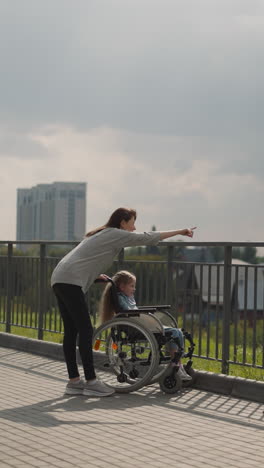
(220, 303)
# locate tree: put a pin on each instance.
(249, 254)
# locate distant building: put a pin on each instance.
(51, 211)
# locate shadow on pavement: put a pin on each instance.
(53, 412)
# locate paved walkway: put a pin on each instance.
(41, 427)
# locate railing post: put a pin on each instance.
(226, 309)
(120, 261)
(169, 274)
(42, 290)
(9, 288)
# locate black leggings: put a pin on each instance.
(76, 320)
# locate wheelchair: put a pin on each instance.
(131, 350)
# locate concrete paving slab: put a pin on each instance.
(42, 427)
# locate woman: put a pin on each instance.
(73, 276)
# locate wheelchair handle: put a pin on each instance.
(99, 280)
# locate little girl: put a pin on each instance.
(125, 283)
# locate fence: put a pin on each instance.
(221, 304)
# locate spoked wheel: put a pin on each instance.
(170, 382)
(125, 354)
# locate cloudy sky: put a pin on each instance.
(156, 104)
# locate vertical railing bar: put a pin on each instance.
(235, 315)
(12, 317)
(192, 297)
(163, 284)
(24, 305)
(262, 322)
(147, 285)
(21, 262)
(208, 310)
(170, 251)
(254, 340)
(217, 311)
(177, 290)
(42, 289)
(33, 313)
(37, 272)
(33, 294)
(200, 311)
(185, 301)
(159, 285)
(154, 285)
(16, 309)
(53, 310)
(2, 311)
(9, 287)
(120, 261)
(245, 316)
(14, 314)
(48, 305)
(18, 269)
(48, 300)
(140, 286)
(2, 304)
(227, 308)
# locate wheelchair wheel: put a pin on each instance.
(170, 382)
(125, 354)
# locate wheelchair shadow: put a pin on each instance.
(54, 412)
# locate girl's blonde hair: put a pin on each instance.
(106, 307)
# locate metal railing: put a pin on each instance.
(221, 304)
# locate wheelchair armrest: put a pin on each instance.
(128, 313)
(143, 310)
(135, 312)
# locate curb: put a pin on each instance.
(30, 345)
(238, 387)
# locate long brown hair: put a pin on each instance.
(106, 307)
(119, 215)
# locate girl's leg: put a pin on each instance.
(78, 320)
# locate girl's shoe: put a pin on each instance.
(183, 374)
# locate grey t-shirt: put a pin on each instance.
(95, 254)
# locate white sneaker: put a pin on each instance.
(183, 374)
(75, 388)
(97, 389)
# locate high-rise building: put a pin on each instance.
(52, 211)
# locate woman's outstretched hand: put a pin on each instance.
(188, 232)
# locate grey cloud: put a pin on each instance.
(172, 154)
(171, 67)
(19, 145)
